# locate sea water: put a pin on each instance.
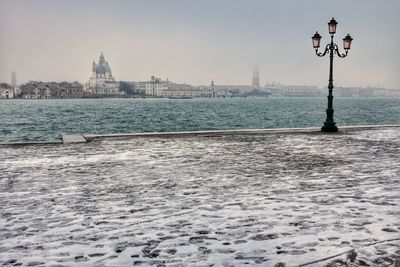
(40, 120)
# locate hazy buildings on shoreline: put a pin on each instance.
(300, 91)
(103, 84)
(47, 90)
(159, 88)
(156, 87)
(368, 91)
(280, 90)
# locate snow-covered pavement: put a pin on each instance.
(256, 200)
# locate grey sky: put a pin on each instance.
(197, 41)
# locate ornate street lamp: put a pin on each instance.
(332, 48)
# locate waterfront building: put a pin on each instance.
(222, 91)
(205, 91)
(345, 91)
(140, 87)
(182, 91)
(45, 90)
(67, 90)
(392, 93)
(300, 91)
(274, 91)
(155, 87)
(359, 91)
(6, 91)
(371, 92)
(232, 90)
(102, 82)
(37, 90)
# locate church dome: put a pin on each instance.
(107, 67)
(101, 59)
(100, 69)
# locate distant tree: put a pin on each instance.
(128, 88)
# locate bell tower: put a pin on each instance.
(256, 77)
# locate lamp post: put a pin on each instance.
(332, 48)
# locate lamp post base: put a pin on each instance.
(329, 128)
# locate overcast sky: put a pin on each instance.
(196, 41)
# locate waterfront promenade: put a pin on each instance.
(245, 198)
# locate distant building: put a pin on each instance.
(274, 91)
(155, 86)
(40, 90)
(362, 92)
(222, 91)
(212, 89)
(102, 82)
(182, 91)
(140, 87)
(345, 91)
(233, 90)
(37, 90)
(13, 79)
(67, 90)
(392, 92)
(299, 91)
(256, 77)
(207, 91)
(6, 91)
(371, 92)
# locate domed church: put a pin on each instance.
(102, 82)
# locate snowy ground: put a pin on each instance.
(203, 201)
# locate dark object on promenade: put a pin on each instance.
(332, 48)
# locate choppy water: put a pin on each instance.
(48, 119)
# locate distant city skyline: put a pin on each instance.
(196, 42)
